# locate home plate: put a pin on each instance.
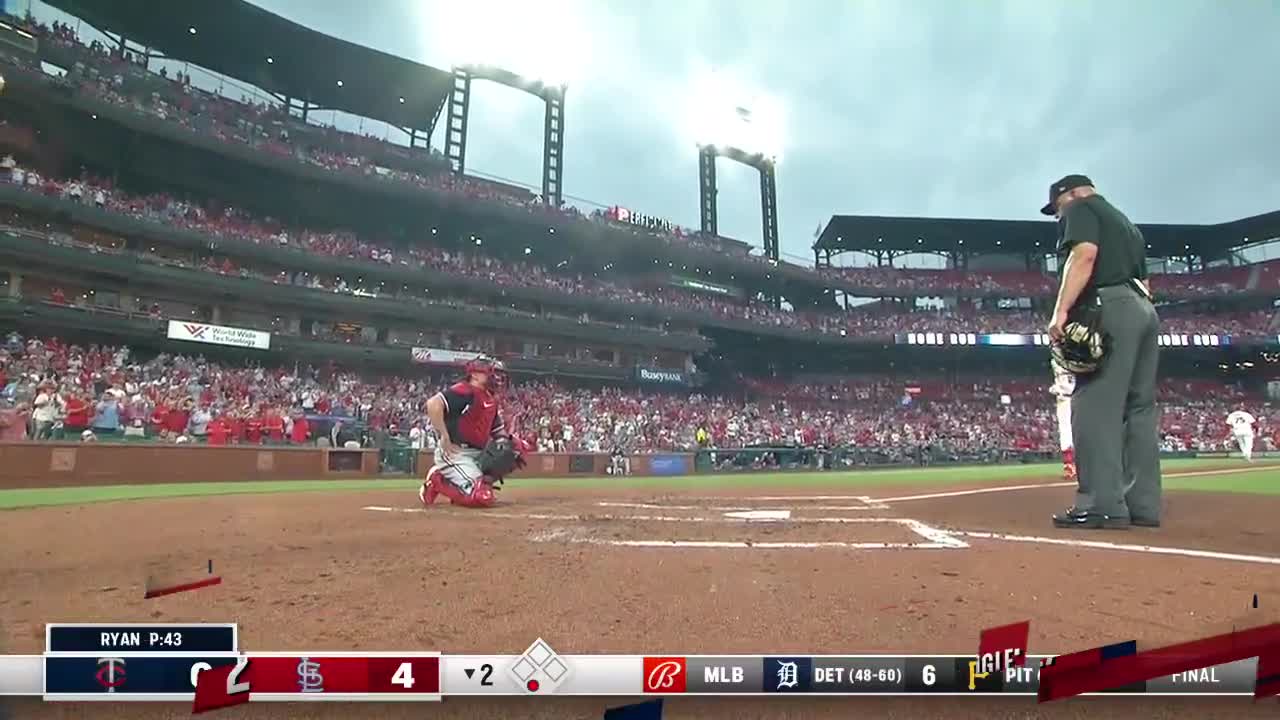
(765, 515)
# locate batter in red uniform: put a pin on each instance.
(465, 417)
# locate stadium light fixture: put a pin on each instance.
(724, 111)
(339, 83)
(270, 60)
(402, 100)
(192, 30)
(554, 48)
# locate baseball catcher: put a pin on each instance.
(475, 451)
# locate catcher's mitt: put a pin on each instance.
(1081, 348)
(500, 458)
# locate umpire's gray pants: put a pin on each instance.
(1113, 414)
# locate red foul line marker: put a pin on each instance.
(185, 587)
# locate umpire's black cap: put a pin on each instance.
(1070, 182)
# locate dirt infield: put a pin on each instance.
(880, 571)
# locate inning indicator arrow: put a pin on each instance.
(469, 672)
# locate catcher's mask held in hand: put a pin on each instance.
(1082, 346)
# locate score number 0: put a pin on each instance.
(234, 686)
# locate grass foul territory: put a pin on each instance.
(1195, 475)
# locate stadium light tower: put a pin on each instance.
(455, 142)
(751, 135)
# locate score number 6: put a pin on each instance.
(234, 686)
(929, 675)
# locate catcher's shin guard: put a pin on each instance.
(430, 489)
(437, 485)
(482, 495)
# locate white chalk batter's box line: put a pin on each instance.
(864, 504)
(934, 539)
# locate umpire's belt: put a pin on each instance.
(1126, 289)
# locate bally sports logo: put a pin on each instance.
(665, 675)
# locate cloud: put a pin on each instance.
(910, 107)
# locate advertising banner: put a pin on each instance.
(1040, 339)
(667, 465)
(661, 377)
(438, 356)
(219, 335)
(689, 283)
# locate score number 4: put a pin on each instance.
(403, 676)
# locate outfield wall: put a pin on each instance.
(33, 465)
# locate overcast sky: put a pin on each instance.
(895, 107)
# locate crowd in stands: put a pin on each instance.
(231, 224)
(125, 80)
(51, 388)
(1030, 283)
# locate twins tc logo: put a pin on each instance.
(195, 331)
(110, 673)
(664, 675)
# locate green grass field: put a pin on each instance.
(1264, 480)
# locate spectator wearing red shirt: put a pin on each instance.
(235, 427)
(253, 429)
(56, 295)
(176, 423)
(77, 417)
(301, 430)
(219, 431)
(273, 426)
(160, 419)
(13, 423)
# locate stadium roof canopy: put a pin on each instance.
(906, 234)
(235, 38)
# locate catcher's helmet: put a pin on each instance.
(492, 367)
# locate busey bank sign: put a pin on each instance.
(219, 335)
(664, 377)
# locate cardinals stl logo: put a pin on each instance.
(664, 675)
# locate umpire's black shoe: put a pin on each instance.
(1088, 520)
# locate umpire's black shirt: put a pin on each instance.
(1122, 251)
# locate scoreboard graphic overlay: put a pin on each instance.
(123, 663)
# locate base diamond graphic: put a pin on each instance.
(539, 669)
